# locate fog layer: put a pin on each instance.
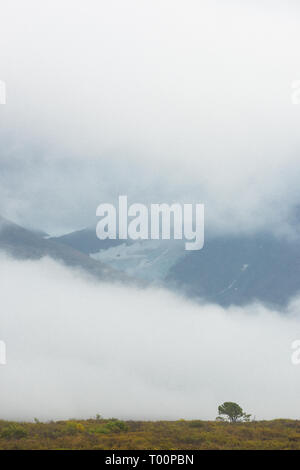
(162, 101)
(76, 348)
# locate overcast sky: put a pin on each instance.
(163, 101)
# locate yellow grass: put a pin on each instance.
(154, 435)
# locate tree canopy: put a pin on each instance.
(230, 411)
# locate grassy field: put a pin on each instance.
(159, 435)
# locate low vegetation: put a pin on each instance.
(109, 434)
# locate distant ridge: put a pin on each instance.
(229, 270)
(22, 243)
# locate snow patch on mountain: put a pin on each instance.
(145, 259)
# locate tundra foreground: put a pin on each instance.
(156, 435)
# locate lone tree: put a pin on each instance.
(232, 412)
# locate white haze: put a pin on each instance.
(161, 100)
(76, 348)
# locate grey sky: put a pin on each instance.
(162, 101)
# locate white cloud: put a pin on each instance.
(76, 348)
(170, 99)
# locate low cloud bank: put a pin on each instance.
(76, 348)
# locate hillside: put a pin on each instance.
(22, 243)
(158, 435)
(228, 270)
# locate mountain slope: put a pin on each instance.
(149, 260)
(229, 270)
(239, 270)
(87, 241)
(25, 244)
